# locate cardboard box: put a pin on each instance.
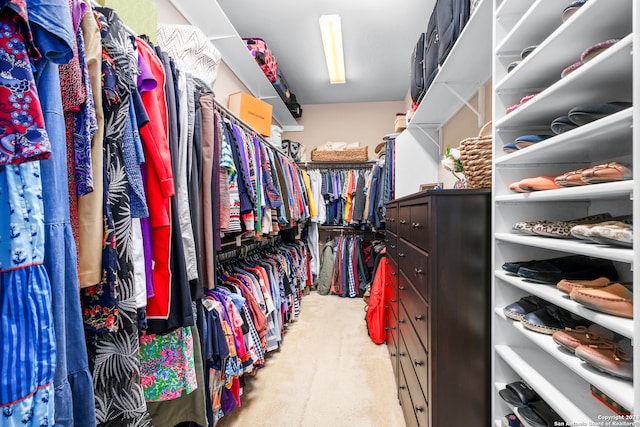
(254, 112)
(400, 123)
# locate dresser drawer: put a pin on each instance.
(392, 245)
(414, 264)
(405, 400)
(418, 358)
(419, 226)
(420, 404)
(417, 311)
(404, 222)
(392, 347)
(391, 218)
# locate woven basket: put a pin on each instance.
(360, 154)
(475, 154)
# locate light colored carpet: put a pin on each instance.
(327, 373)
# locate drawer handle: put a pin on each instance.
(402, 288)
(402, 321)
(394, 300)
(415, 225)
(386, 306)
(417, 271)
(393, 355)
(420, 408)
(419, 317)
(394, 274)
(403, 387)
(401, 254)
(386, 329)
(402, 221)
(402, 354)
(393, 246)
(393, 328)
(418, 362)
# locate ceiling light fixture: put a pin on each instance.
(331, 31)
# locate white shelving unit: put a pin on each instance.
(464, 72)
(560, 378)
(210, 18)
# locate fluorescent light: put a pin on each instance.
(331, 31)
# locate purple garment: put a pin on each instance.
(85, 126)
(242, 149)
(78, 9)
(146, 81)
(147, 244)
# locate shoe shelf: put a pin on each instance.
(550, 293)
(610, 190)
(536, 367)
(618, 389)
(596, 142)
(595, 22)
(570, 246)
(465, 70)
(605, 78)
(560, 378)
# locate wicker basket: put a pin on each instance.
(360, 154)
(475, 154)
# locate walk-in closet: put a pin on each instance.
(229, 213)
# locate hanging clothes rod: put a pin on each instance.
(338, 165)
(246, 250)
(238, 121)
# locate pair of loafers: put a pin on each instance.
(617, 232)
(600, 294)
(524, 141)
(557, 229)
(599, 174)
(584, 114)
(615, 299)
(573, 267)
(541, 316)
(587, 55)
(600, 348)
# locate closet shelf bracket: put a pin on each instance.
(435, 141)
(479, 114)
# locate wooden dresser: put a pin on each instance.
(438, 317)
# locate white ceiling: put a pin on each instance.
(378, 37)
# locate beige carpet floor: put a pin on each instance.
(328, 372)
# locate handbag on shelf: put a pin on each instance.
(475, 154)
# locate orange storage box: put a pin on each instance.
(254, 112)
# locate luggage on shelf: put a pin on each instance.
(445, 25)
(289, 98)
(452, 16)
(263, 57)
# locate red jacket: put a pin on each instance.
(159, 184)
(376, 320)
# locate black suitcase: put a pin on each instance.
(424, 61)
(452, 16)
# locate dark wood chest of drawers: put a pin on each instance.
(438, 326)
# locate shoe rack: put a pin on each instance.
(560, 378)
